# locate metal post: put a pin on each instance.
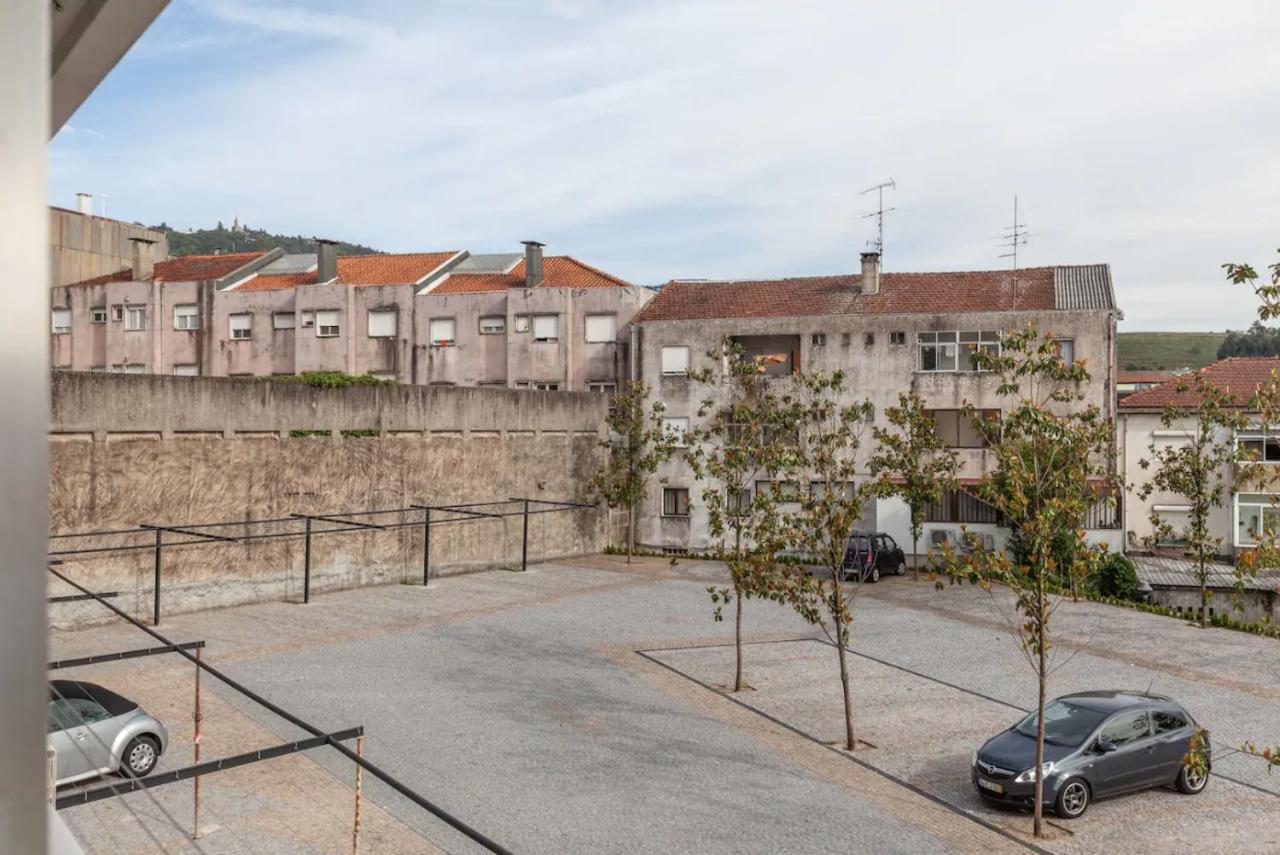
(426, 548)
(524, 545)
(355, 828)
(155, 607)
(196, 716)
(306, 563)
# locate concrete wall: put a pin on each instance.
(83, 247)
(127, 450)
(1249, 607)
(877, 370)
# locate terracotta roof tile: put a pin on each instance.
(277, 281)
(1238, 376)
(905, 293)
(382, 269)
(187, 268)
(558, 271)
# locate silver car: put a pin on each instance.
(97, 732)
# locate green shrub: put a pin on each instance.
(1116, 578)
(331, 379)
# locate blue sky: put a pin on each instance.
(714, 139)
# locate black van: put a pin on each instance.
(868, 554)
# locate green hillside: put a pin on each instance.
(220, 238)
(1167, 350)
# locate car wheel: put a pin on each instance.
(140, 757)
(901, 569)
(1192, 781)
(874, 575)
(1073, 799)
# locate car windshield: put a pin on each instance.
(860, 544)
(1064, 724)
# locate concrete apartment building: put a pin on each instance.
(890, 332)
(83, 245)
(513, 320)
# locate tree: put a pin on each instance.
(1197, 471)
(912, 461)
(1049, 449)
(638, 441)
(744, 448)
(1258, 341)
(831, 434)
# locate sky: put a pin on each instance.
(662, 140)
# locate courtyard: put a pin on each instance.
(581, 707)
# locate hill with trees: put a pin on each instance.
(243, 239)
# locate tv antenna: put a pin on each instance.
(1014, 236)
(879, 212)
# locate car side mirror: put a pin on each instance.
(1105, 746)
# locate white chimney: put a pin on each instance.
(870, 273)
(86, 203)
(144, 259)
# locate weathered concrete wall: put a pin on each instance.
(127, 450)
(82, 247)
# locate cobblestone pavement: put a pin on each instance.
(518, 702)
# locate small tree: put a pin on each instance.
(1196, 470)
(637, 443)
(831, 434)
(912, 461)
(1048, 448)
(746, 434)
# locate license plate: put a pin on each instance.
(990, 785)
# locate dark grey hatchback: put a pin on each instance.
(1096, 744)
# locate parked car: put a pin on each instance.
(874, 553)
(1096, 744)
(97, 732)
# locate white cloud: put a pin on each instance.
(731, 138)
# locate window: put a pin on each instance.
(1066, 348)
(66, 713)
(545, 385)
(738, 502)
(957, 430)
(241, 326)
(958, 506)
(97, 369)
(98, 315)
(186, 317)
(675, 360)
(442, 332)
(61, 321)
(1127, 727)
(117, 312)
(676, 429)
(326, 324)
(818, 339)
(493, 325)
(869, 339)
(382, 323)
(978, 342)
(1167, 722)
(601, 328)
(675, 502)
(308, 320)
(940, 351)
(821, 488)
(546, 327)
(135, 318)
(783, 491)
(1258, 447)
(283, 321)
(186, 371)
(129, 368)
(522, 323)
(1257, 518)
(846, 339)
(601, 386)
(897, 338)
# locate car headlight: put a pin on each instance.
(973, 761)
(1029, 775)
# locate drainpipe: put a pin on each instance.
(633, 352)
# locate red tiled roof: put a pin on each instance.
(277, 281)
(1143, 376)
(187, 268)
(905, 293)
(558, 271)
(382, 269)
(1238, 376)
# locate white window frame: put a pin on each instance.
(522, 323)
(60, 313)
(499, 320)
(328, 330)
(131, 312)
(129, 368)
(117, 312)
(290, 319)
(307, 319)
(688, 501)
(545, 385)
(186, 369)
(437, 328)
(599, 335)
(376, 323)
(98, 315)
(542, 320)
(671, 354)
(186, 316)
(1263, 502)
(607, 386)
(1066, 344)
(240, 326)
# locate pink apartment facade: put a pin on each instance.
(512, 320)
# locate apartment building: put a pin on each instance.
(514, 320)
(1140, 425)
(890, 332)
(83, 244)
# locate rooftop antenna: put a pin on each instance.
(879, 212)
(1014, 236)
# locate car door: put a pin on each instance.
(884, 555)
(1129, 765)
(1173, 734)
(69, 739)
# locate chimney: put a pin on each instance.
(86, 203)
(144, 259)
(870, 273)
(326, 260)
(532, 263)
